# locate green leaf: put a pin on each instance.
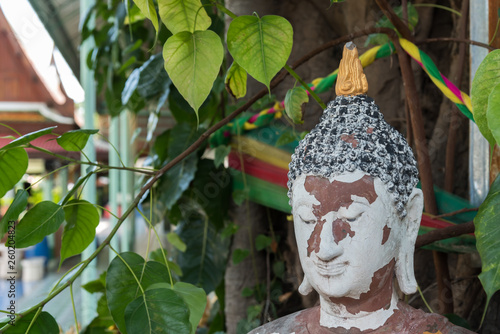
(195, 298)
(173, 184)
(384, 22)
(130, 85)
(175, 241)
(147, 7)
(43, 219)
(221, 152)
(13, 165)
(192, 61)
(493, 113)
(44, 324)
(157, 256)
(204, 261)
(262, 242)
(236, 81)
(28, 138)
(294, 102)
(75, 140)
(82, 219)
(239, 255)
(98, 285)
(260, 45)
(158, 311)
(279, 268)
(229, 230)
(152, 79)
(122, 287)
(240, 195)
(487, 233)
(179, 15)
(287, 137)
(486, 78)
(18, 205)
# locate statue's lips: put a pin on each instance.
(330, 268)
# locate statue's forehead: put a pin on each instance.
(334, 194)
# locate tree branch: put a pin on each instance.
(444, 233)
(456, 39)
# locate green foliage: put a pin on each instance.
(294, 104)
(204, 261)
(23, 140)
(260, 45)
(43, 219)
(13, 165)
(175, 241)
(195, 298)
(239, 255)
(126, 279)
(44, 324)
(147, 8)
(236, 81)
(157, 311)
(18, 205)
(82, 219)
(488, 240)
(262, 242)
(384, 22)
(486, 78)
(75, 140)
(221, 152)
(193, 60)
(181, 15)
(493, 113)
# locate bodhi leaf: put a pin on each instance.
(82, 219)
(175, 241)
(493, 113)
(147, 7)
(194, 297)
(157, 311)
(239, 255)
(179, 15)
(488, 240)
(44, 324)
(18, 205)
(122, 287)
(236, 81)
(192, 61)
(28, 138)
(75, 140)
(294, 101)
(13, 165)
(43, 219)
(486, 78)
(260, 45)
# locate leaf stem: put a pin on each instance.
(224, 10)
(424, 300)
(305, 85)
(74, 309)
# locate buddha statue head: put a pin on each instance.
(355, 206)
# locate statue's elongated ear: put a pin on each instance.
(410, 225)
(305, 288)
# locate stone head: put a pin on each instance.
(356, 208)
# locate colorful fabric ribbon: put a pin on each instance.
(320, 85)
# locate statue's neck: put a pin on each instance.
(369, 311)
(340, 314)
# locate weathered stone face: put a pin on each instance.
(346, 229)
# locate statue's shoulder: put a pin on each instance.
(295, 323)
(410, 320)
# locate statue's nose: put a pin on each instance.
(329, 248)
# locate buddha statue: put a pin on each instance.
(356, 217)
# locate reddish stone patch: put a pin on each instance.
(333, 196)
(378, 295)
(350, 139)
(341, 230)
(387, 233)
(369, 130)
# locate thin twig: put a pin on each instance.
(455, 39)
(454, 213)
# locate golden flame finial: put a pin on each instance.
(351, 80)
